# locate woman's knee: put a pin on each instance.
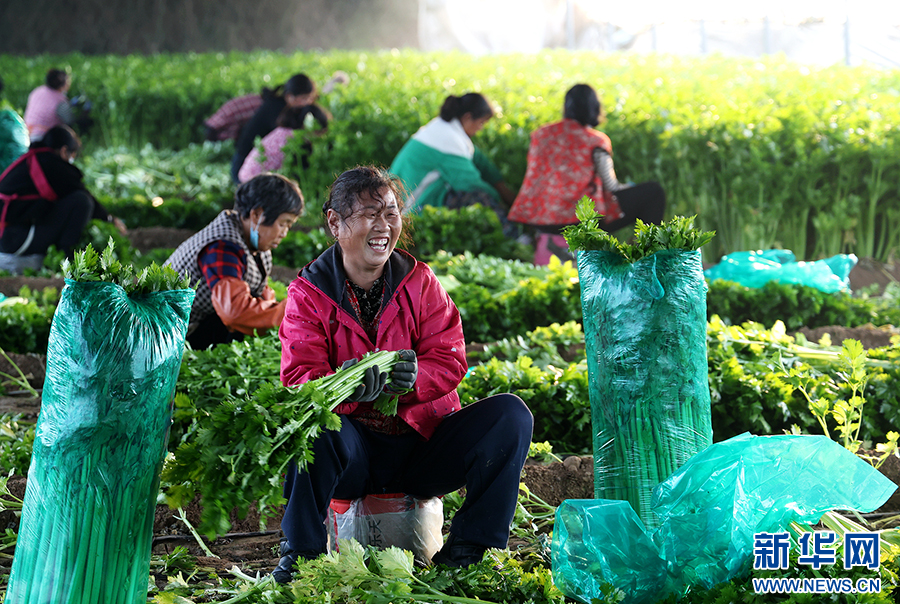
(513, 414)
(78, 206)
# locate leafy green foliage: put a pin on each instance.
(751, 161)
(740, 590)
(356, 575)
(676, 234)
(235, 453)
(797, 305)
(750, 391)
(16, 440)
(231, 370)
(299, 248)
(89, 266)
(166, 173)
(492, 272)
(472, 229)
(25, 324)
(555, 344)
(557, 396)
(490, 312)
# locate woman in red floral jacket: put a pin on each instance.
(568, 160)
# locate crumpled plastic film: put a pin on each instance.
(598, 541)
(87, 520)
(645, 340)
(709, 511)
(388, 520)
(756, 268)
(751, 484)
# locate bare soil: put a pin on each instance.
(868, 335)
(150, 238)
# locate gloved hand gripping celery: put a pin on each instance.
(113, 358)
(236, 454)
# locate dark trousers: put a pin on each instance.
(646, 201)
(210, 332)
(62, 227)
(482, 447)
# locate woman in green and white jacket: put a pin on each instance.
(440, 166)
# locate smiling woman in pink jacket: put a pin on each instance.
(363, 295)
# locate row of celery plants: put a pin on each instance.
(748, 373)
(500, 298)
(764, 151)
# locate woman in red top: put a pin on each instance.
(568, 160)
(362, 295)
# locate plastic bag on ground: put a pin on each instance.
(388, 520)
(756, 268)
(599, 541)
(87, 520)
(645, 341)
(709, 511)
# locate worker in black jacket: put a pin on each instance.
(43, 202)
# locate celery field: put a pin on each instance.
(765, 152)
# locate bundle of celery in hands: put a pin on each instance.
(236, 452)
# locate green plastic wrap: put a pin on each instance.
(755, 269)
(601, 541)
(87, 520)
(709, 511)
(13, 137)
(645, 340)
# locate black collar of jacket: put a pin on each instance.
(327, 273)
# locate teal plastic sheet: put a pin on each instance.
(709, 511)
(645, 340)
(87, 520)
(755, 269)
(13, 137)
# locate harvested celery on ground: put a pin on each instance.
(235, 454)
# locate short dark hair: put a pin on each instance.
(583, 106)
(299, 84)
(471, 102)
(274, 193)
(58, 137)
(347, 187)
(56, 79)
(296, 85)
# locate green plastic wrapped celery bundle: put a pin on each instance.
(644, 308)
(112, 363)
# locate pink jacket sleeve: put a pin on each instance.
(440, 347)
(305, 344)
